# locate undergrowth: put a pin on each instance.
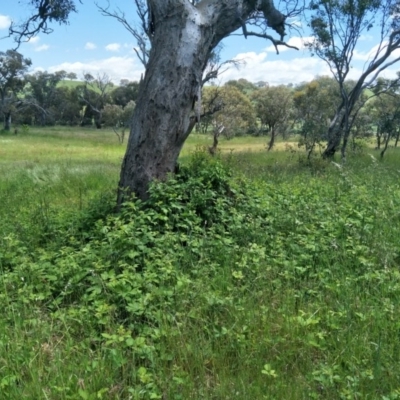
(217, 287)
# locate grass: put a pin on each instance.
(256, 276)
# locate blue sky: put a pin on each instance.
(97, 44)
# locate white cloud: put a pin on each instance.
(389, 73)
(113, 47)
(366, 37)
(90, 46)
(43, 47)
(5, 21)
(116, 68)
(257, 68)
(34, 40)
(370, 54)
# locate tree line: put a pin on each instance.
(307, 109)
(237, 108)
(44, 98)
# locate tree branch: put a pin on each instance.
(142, 37)
(47, 12)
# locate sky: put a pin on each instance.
(95, 44)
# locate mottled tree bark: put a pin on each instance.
(183, 36)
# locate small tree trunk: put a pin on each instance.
(97, 122)
(397, 137)
(378, 138)
(272, 140)
(386, 141)
(344, 144)
(310, 150)
(217, 131)
(334, 139)
(341, 123)
(7, 121)
(213, 149)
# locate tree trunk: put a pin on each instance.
(339, 129)
(335, 132)
(272, 140)
(7, 121)
(182, 38)
(97, 120)
(213, 149)
(378, 138)
(397, 137)
(386, 140)
(341, 123)
(167, 94)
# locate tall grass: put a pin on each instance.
(251, 276)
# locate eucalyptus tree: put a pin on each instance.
(118, 118)
(13, 67)
(228, 111)
(337, 26)
(95, 94)
(385, 114)
(41, 92)
(273, 106)
(243, 85)
(126, 92)
(314, 105)
(67, 106)
(182, 34)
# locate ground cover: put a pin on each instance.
(252, 276)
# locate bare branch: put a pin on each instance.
(142, 36)
(274, 41)
(214, 70)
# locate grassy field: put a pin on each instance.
(251, 276)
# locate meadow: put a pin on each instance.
(251, 275)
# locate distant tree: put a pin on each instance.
(71, 76)
(273, 108)
(13, 67)
(67, 106)
(126, 92)
(261, 84)
(118, 118)
(41, 92)
(243, 85)
(227, 112)
(336, 27)
(95, 93)
(236, 114)
(385, 114)
(314, 106)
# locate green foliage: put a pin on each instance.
(314, 105)
(13, 65)
(227, 109)
(284, 285)
(273, 106)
